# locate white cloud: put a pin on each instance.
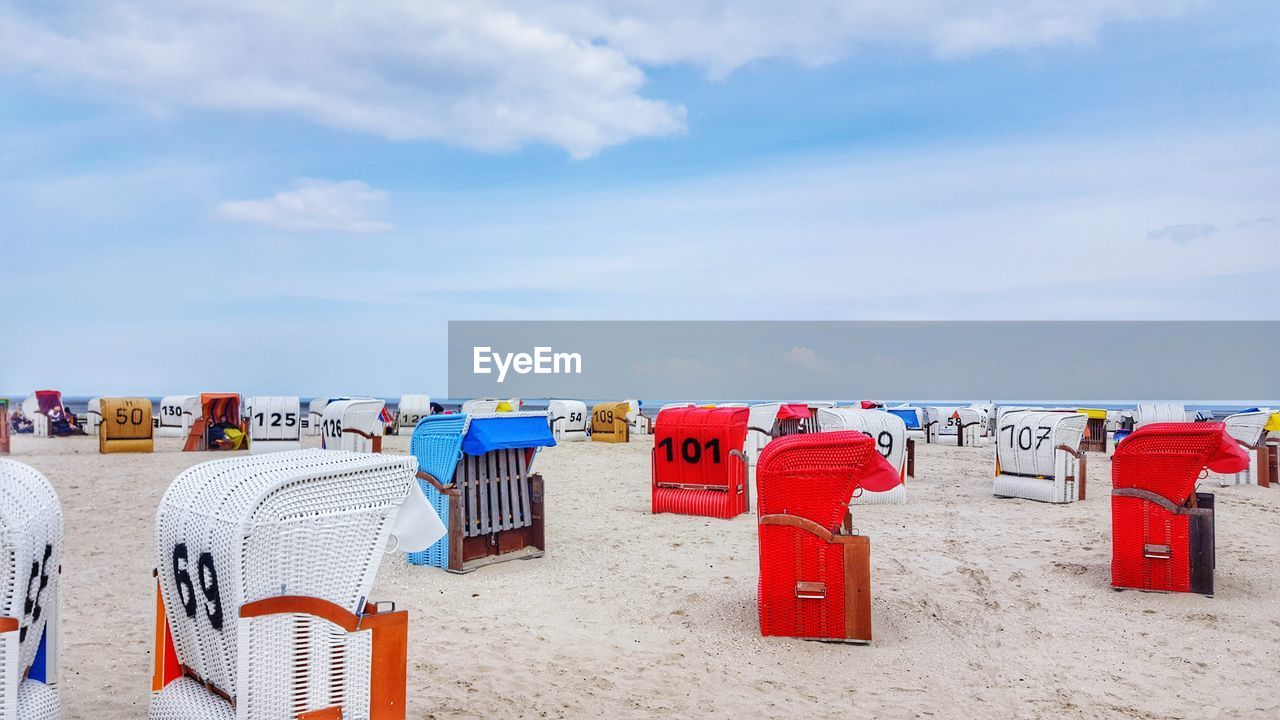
(313, 205)
(806, 360)
(495, 74)
(1182, 234)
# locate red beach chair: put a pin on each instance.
(1162, 530)
(815, 571)
(698, 464)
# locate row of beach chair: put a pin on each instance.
(265, 564)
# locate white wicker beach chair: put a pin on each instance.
(987, 413)
(315, 413)
(569, 420)
(411, 409)
(480, 406)
(1250, 430)
(1148, 413)
(1038, 456)
(763, 425)
(890, 433)
(176, 414)
(92, 416)
(759, 429)
(264, 567)
(353, 424)
(30, 603)
(275, 423)
(940, 422)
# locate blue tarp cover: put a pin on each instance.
(499, 433)
(908, 416)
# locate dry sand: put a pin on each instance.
(982, 607)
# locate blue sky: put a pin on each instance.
(201, 197)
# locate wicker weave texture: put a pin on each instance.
(30, 566)
(1165, 459)
(125, 425)
(275, 423)
(1028, 462)
(437, 445)
(186, 699)
(811, 477)
(890, 435)
(37, 701)
(694, 447)
(789, 556)
(340, 416)
(230, 531)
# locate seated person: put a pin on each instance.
(21, 423)
(59, 425)
(226, 436)
(74, 421)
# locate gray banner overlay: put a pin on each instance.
(1229, 362)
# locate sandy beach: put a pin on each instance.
(982, 607)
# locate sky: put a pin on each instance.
(295, 197)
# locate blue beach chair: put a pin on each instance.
(476, 471)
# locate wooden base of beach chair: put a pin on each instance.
(491, 546)
(1269, 464)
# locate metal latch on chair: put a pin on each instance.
(1158, 552)
(811, 590)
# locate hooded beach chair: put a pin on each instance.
(942, 422)
(126, 426)
(912, 417)
(315, 413)
(638, 423)
(93, 416)
(39, 406)
(275, 423)
(353, 424)
(772, 420)
(1148, 413)
(1162, 530)
(1095, 430)
(815, 569)
(264, 565)
(698, 465)
(481, 406)
(476, 470)
(1038, 456)
(411, 409)
(219, 425)
(609, 422)
(568, 420)
(890, 435)
(176, 414)
(970, 425)
(30, 583)
(1250, 430)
